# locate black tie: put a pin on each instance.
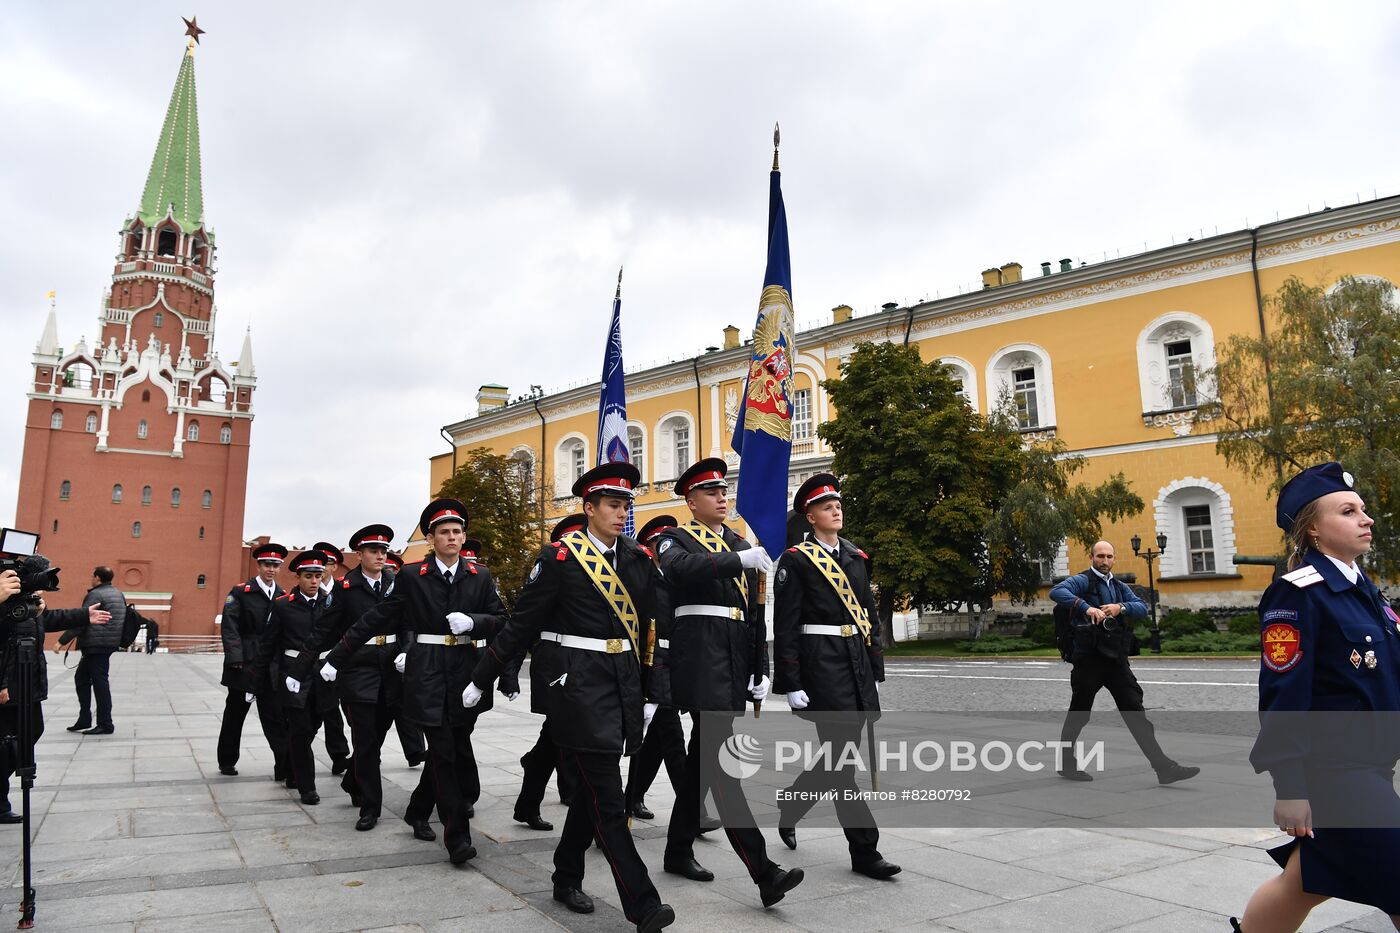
(836, 554)
(611, 558)
(376, 587)
(447, 575)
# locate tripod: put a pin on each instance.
(21, 747)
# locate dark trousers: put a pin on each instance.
(664, 743)
(302, 724)
(454, 781)
(415, 747)
(9, 760)
(1092, 673)
(92, 677)
(539, 763)
(274, 729)
(856, 820)
(336, 744)
(707, 734)
(597, 813)
(369, 724)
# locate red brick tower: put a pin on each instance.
(136, 447)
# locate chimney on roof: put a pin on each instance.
(731, 337)
(991, 278)
(1045, 268)
(841, 314)
(1011, 273)
(491, 397)
(1066, 265)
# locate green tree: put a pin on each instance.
(503, 504)
(1323, 385)
(955, 508)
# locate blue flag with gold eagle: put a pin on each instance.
(763, 429)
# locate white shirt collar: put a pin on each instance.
(327, 584)
(829, 548)
(443, 568)
(1106, 577)
(371, 581)
(269, 589)
(602, 548)
(1351, 571)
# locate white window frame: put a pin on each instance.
(1024, 356)
(565, 461)
(963, 370)
(56, 421)
(90, 423)
(663, 448)
(1207, 554)
(1168, 510)
(639, 457)
(1154, 376)
(802, 427)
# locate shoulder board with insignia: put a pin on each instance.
(344, 583)
(423, 569)
(645, 550)
(247, 587)
(1303, 576)
(288, 596)
(559, 552)
(862, 554)
(792, 550)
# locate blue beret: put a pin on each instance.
(1309, 485)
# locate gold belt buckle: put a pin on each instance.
(736, 613)
(614, 646)
(379, 640)
(449, 639)
(846, 631)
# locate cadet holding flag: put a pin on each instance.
(591, 594)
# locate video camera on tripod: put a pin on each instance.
(19, 552)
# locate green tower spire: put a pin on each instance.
(174, 178)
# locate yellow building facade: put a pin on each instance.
(1100, 356)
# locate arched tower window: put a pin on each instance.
(226, 434)
(65, 489)
(56, 420)
(175, 498)
(142, 429)
(165, 243)
(136, 529)
(90, 423)
(192, 432)
(117, 493)
(145, 495)
(206, 500)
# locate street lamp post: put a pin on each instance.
(1150, 555)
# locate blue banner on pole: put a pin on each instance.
(613, 444)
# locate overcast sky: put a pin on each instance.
(414, 199)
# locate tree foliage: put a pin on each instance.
(503, 504)
(1323, 385)
(955, 507)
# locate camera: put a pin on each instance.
(18, 553)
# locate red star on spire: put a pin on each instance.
(192, 28)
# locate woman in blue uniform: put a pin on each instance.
(1330, 645)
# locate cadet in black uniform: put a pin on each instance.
(543, 758)
(246, 611)
(1329, 643)
(451, 608)
(828, 660)
(718, 663)
(415, 747)
(287, 653)
(369, 687)
(591, 595)
(328, 710)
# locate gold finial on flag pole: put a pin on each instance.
(775, 147)
(619, 283)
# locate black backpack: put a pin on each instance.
(131, 625)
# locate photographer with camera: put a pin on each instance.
(25, 616)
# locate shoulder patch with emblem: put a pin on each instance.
(230, 600)
(1282, 647)
(782, 575)
(665, 545)
(1304, 576)
(535, 571)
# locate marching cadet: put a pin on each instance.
(287, 652)
(246, 610)
(1329, 643)
(591, 594)
(369, 687)
(452, 608)
(718, 662)
(828, 660)
(415, 747)
(329, 711)
(543, 758)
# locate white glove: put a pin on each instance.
(798, 699)
(759, 691)
(755, 558)
(511, 696)
(648, 711)
(459, 622)
(877, 688)
(293, 685)
(400, 662)
(471, 696)
(328, 672)
(247, 698)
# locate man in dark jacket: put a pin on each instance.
(327, 709)
(591, 595)
(97, 643)
(444, 610)
(1102, 610)
(246, 611)
(718, 664)
(49, 620)
(828, 660)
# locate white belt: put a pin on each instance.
(840, 631)
(293, 653)
(449, 640)
(606, 645)
(663, 643)
(723, 612)
(383, 640)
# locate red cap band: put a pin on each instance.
(819, 492)
(443, 515)
(310, 565)
(699, 478)
(373, 539)
(615, 483)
